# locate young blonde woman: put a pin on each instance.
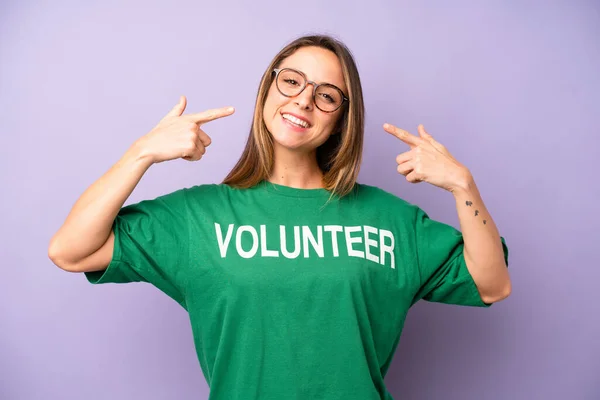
(297, 279)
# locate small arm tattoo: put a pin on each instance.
(469, 204)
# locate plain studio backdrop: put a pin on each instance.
(510, 88)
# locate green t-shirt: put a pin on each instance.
(290, 297)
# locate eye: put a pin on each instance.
(291, 81)
(327, 97)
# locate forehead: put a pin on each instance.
(319, 65)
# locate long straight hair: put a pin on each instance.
(339, 157)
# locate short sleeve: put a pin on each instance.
(443, 270)
(151, 245)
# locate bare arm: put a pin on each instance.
(483, 251)
(87, 228)
(85, 240)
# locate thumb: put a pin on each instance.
(179, 108)
(438, 146)
(424, 133)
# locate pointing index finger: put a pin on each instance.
(211, 115)
(403, 135)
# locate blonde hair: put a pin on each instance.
(339, 157)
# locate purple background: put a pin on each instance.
(511, 88)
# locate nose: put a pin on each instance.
(305, 99)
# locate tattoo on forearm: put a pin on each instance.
(469, 204)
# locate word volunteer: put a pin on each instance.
(372, 239)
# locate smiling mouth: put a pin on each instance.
(295, 121)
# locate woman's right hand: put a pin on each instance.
(180, 136)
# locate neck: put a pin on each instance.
(296, 169)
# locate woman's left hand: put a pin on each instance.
(428, 161)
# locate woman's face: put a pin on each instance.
(321, 66)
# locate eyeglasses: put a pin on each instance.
(290, 83)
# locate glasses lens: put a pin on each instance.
(328, 98)
(289, 82)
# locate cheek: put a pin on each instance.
(273, 102)
(330, 122)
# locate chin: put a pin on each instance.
(283, 137)
(288, 143)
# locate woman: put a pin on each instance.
(296, 278)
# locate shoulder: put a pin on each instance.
(216, 194)
(205, 192)
(382, 198)
(212, 189)
(180, 197)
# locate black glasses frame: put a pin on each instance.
(315, 87)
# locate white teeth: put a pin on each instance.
(295, 120)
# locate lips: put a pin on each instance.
(296, 116)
